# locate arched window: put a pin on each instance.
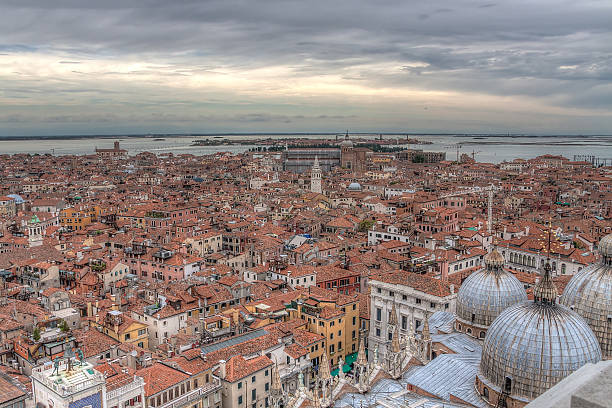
(508, 385)
(459, 326)
(482, 334)
(469, 331)
(485, 393)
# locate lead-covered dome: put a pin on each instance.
(486, 293)
(354, 186)
(589, 293)
(533, 345)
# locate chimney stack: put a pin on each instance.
(222, 369)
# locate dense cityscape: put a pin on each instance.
(307, 275)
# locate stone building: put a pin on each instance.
(413, 296)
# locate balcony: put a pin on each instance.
(294, 369)
(134, 386)
(192, 396)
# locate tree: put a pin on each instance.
(365, 225)
(64, 326)
(36, 334)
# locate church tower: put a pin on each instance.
(315, 177)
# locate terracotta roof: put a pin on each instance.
(160, 377)
(237, 367)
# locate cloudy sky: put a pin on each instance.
(117, 66)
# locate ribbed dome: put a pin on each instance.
(535, 345)
(589, 293)
(605, 246)
(486, 293)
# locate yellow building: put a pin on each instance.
(122, 328)
(76, 219)
(335, 317)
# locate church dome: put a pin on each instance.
(486, 293)
(605, 246)
(354, 186)
(532, 346)
(589, 293)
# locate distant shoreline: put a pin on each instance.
(175, 135)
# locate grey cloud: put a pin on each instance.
(557, 53)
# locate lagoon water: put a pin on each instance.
(492, 149)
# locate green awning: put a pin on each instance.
(351, 358)
(345, 368)
(348, 364)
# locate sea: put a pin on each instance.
(483, 148)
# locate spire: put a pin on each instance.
(316, 402)
(545, 292)
(395, 344)
(315, 166)
(393, 317)
(361, 355)
(324, 373)
(426, 334)
(276, 387)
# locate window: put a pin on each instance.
(404, 322)
(253, 379)
(378, 314)
(485, 393)
(392, 294)
(390, 334)
(418, 301)
(378, 290)
(239, 399)
(354, 306)
(433, 305)
(508, 385)
(377, 332)
(267, 387)
(254, 394)
(482, 334)
(240, 385)
(404, 297)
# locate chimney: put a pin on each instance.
(222, 368)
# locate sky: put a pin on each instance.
(181, 66)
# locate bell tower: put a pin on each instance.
(315, 177)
